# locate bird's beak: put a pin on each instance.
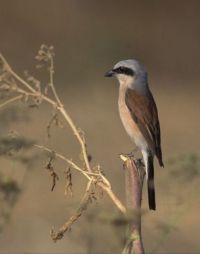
(109, 73)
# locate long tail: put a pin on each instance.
(150, 183)
(149, 167)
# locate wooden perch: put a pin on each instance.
(134, 176)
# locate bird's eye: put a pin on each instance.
(119, 70)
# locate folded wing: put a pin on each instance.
(144, 112)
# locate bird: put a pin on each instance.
(139, 116)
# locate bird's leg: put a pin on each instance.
(138, 161)
(140, 169)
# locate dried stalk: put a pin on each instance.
(100, 180)
(87, 199)
(17, 98)
(25, 90)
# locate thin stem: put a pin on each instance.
(78, 136)
(9, 69)
(113, 197)
(67, 225)
(52, 102)
(10, 101)
(52, 81)
(62, 157)
(67, 117)
(103, 184)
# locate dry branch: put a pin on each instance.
(20, 89)
(86, 200)
(100, 180)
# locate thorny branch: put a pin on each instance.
(17, 88)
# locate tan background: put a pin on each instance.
(89, 38)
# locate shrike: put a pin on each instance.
(139, 116)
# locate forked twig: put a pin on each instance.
(101, 182)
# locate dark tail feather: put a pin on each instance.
(150, 184)
(159, 156)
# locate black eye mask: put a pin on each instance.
(124, 70)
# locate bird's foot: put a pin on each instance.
(130, 155)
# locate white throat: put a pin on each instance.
(125, 81)
(136, 83)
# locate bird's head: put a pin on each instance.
(130, 73)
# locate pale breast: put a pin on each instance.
(129, 124)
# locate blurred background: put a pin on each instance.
(89, 38)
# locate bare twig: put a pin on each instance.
(51, 70)
(113, 197)
(78, 136)
(66, 227)
(56, 104)
(101, 182)
(53, 118)
(86, 200)
(9, 69)
(16, 98)
(70, 162)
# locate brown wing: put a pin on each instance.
(144, 112)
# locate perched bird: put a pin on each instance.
(139, 116)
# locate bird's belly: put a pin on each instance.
(131, 127)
